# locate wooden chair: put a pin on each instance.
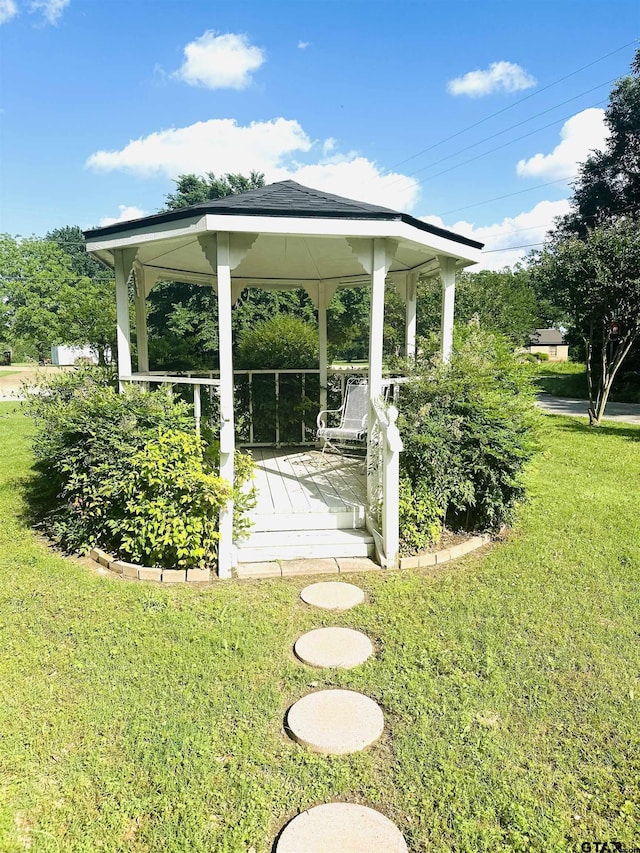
(353, 412)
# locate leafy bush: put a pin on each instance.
(420, 516)
(528, 357)
(542, 356)
(467, 428)
(125, 471)
(164, 510)
(281, 343)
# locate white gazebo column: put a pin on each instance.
(376, 327)
(226, 556)
(448, 278)
(410, 327)
(141, 328)
(322, 342)
(123, 262)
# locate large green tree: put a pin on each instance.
(502, 301)
(608, 185)
(596, 281)
(45, 301)
(193, 189)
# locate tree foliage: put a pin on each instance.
(608, 185)
(503, 301)
(46, 299)
(596, 280)
(193, 189)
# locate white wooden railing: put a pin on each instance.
(171, 379)
(383, 482)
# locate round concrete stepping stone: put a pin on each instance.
(343, 828)
(332, 595)
(336, 647)
(335, 722)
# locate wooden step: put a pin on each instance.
(347, 520)
(263, 546)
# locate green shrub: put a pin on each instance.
(420, 516)
(126, 472)
(528, 357)
(468, 431)
(164, 510)
(542, 356)
(281, 343)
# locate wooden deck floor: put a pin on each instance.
(304, 481)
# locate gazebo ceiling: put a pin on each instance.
(295, 234)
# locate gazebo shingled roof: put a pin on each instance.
(286, 198)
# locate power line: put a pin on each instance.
(494, 149)
(512, 127)
(507, 195)
(510, 248)
(511, 106)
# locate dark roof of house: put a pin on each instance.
(285, 198)
(546, 337)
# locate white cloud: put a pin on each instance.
(580, 135)
(503, 238)
(498, 77)
(303, 45)
(51, 9)
(8, 10)
(358, 178)
(219, 145)
(222, 61)
(272, 147)
(127, 212)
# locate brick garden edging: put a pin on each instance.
(147, 573)
(130, 571)
(437, 558)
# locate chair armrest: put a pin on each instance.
(319, 420)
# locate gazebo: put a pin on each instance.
(280, 237)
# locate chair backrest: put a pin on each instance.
(356, 405)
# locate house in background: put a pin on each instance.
(549, 341)
(64, 355)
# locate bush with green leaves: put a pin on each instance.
(125, 471)
(283, 342)
(468, 429)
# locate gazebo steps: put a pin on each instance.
(344, 519)
(264, 546)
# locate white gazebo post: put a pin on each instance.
(227, 437)
(410, 327)
(123, 262)
(322, 342)
(218, 253)
(141, 319)
(448, 278)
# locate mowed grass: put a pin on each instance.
(569, 379)
(148, 718)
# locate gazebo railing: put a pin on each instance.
(172, 379)
(383, 481)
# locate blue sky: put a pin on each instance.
(103, 102)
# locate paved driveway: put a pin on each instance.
(627, 413)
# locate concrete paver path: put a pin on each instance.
(341, 828)
(342, 648)
(335, 722)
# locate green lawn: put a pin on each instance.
(145, 718)
(569, 379)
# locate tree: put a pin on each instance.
(608, 185)
(191, 189)
(502, 301)
(44, 301)
(596, 280)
